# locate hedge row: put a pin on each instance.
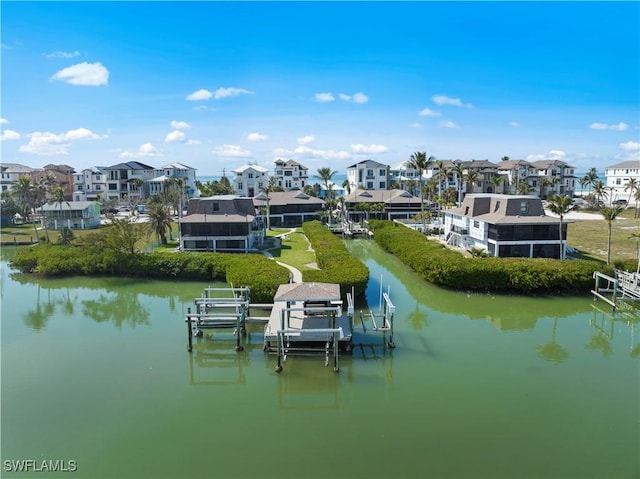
(336, 264)
(258, 272)
(449, 268)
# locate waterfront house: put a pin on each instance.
(90, 184)
(225, 223)
(504, 226)
(128, 181)
(10, 172)
(249, 179)
(618, 177)
(77, 215)
(368, 175)
(174, 174)
(289, 208)
(290, 175)
(382, 204)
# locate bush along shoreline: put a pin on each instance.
(257, 271)
(451, 269)
(336, 263)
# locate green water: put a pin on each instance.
(96, 371)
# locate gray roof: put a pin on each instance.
(624, 165)
(370, 163)
(287, 198)
(503, 209)
(68, 205)
(221, 209)
(308, 292)
(130, 165)
(381, 196)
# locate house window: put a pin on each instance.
(215, 206)
(287, 183)
(240, 186)
(369, 173)
(250, 175)
(618, 182)
(288, 173)
(476, 224)
(524, 207)
(98, 187)
(382, 172)
(369, 185)
(383, 185)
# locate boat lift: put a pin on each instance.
(383, 320)
(613, 290)
(213, 312)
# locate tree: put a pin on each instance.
(159, 221)
(459, 171)
(632, 185)
(122, 237)
(610, 213)
(544, 184)
(267, 190)
(591, 177)
(325, 174)
(418, 161)
(25, 192)
(523, 188)
(560, 205)
(505, 158)
(58, 197)
(496, 181)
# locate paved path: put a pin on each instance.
(296, 275)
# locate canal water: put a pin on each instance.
(96, 375)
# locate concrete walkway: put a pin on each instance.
(296, 275)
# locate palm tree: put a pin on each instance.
(418, 161)
(560, 205)
(459, 170)
(58, 197)
(505, 158)
(267, 190)
(610, 213)
(591, 177)
(631, 185)
(159, 221)
(524, 188)
(544, 184)
(497, 181)
(43, 191)
(24, 190)
(325, 174)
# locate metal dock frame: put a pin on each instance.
(204, 319)
(624, 285)
(386, 316)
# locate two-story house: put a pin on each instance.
(174, 175)
(289, 208)
(553, 177)
(368, 175)
(249, 179)
(290, 175)
(60, 175)
(225, 223)
(128, 181)
(505, 226)
(71, 214)
(90, 184)
(10, 172)
(620, 176)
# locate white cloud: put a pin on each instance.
(630, 146)
(324, 97)
(226, 92)
(429, 112)
(446, 100)
(9, 135)
(514, 124)
(176, 136)
(256, 137)
(233, 151)
(3, 121)
(180, 125)
(355, 98)
(146, 149)
(360, 148)
(201, 94)
(603, 126)
(448, 124)
(193, 142)
(551, 155)
(360, 98)
(61, 54)
(324, 154)
(305, 140)
(82, 134)
(47, 143)
(85, 74)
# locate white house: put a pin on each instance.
(248, 179)
(90, 184)
(127, 181)
(368, 175)
(291, 175)
(10, 172)
(505, 226)
(619, 177)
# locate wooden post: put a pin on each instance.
(189, 331)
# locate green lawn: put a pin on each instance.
(294, 250)
(590, 237)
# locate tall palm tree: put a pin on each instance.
(560, 205)
(267, 190)
(159, 221)
(591, 177)
(524, 188)
(459, 171)
(43, 192)
(24, 191)
(631, 185)
(58, 197)
(418, 161)
(325, 174)
(610, 213)
(497, 181)
(544, 184)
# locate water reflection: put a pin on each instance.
(216, 363)
(38, 317)
(122, 307)
(552, 351)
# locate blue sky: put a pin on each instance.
(217, 85)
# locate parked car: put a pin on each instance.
(620, 203)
